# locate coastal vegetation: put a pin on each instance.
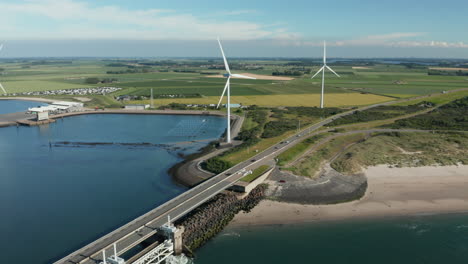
(310, 164)
(380, 113)
(451, 116)
(264, 128)
(298, 149)
(405, 150)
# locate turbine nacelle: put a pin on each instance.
(322, 70)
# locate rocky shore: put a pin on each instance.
(330, 187)
(211, 217)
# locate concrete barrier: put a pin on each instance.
(246, 187)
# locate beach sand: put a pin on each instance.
(391, 192)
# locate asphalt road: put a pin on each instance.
(143, 227)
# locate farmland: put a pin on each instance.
(361, 83)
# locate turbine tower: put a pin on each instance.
(227, 88)
(1, 86)
(325, 66)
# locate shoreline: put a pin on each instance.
(10, 120)
(183, 173)
(392, 192)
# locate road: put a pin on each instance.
(145, 226)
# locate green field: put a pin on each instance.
(358, 85)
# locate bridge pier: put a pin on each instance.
(175, 235)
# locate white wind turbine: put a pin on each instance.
(227, 88)
(325, 66)
(1, 86)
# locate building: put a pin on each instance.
(42, 116)
(137, 107)
(58, 108)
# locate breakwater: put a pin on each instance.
(210, 218)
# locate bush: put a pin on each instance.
(452, 116)
(92, 80)
(217, 165)
(277, 128)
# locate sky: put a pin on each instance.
(294, 28)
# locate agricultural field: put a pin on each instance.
(195, 82)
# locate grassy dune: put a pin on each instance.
(405, 149)
(310, 164)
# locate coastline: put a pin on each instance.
(392, 192)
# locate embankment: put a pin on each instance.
(211, 217)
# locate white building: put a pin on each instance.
(58, 107)
(137, 107)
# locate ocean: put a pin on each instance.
(418, 239)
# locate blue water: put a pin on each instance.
(54, 200)
(423, 239)
(13, 106)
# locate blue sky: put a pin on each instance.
(295, 28)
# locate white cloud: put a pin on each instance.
(75, 19)
(385, 40)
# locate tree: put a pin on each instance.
(92, 80)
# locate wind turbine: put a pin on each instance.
(1, 86)
(325, 66)
(227, 88)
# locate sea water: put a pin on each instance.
(416, 239)
(13, 106)
(57, 197)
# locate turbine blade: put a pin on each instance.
(226, 65)
(324, 52)
(321, 69)
(224, 91)
(1, 86)
(333, 71)
(243, 76)
(1, 47)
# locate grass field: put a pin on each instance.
(331, 100)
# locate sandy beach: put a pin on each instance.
(391, 192)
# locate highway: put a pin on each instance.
(146, 225)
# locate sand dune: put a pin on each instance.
(391, 192)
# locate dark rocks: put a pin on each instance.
(211, 217)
